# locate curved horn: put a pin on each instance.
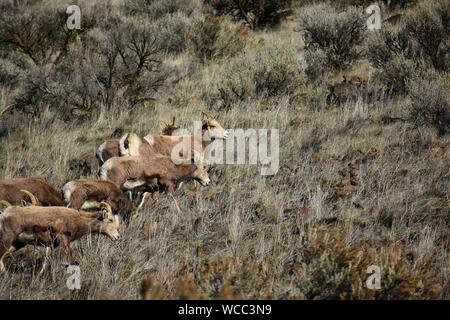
(106, 210)
(33, 200)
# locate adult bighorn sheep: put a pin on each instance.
(129, 173)
(52, 226)
(132, 144)
(111, 147)
(11, 195)
(85, 194)
(46, 194)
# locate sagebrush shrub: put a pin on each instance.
(214, 37)
(316, 60)
(385, 44)
(430, 104)
(330, 268)
(30, 32)
(338, 34)
(171, 32)
(254, 13)
(156, 9)
(118, 66)
(429, 25)
(261, 74)
(388, 3)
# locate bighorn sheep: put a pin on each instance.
(12, 195)
(84, 194)
(132, 144)
(52, 226)
(131, 172)
(111, 148)
(44, 192)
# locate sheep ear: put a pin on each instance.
(207, 116)
(163, 122)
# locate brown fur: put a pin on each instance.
(77, 192)
(15, 196)
(107, 150)
(84, 165)
(44, 192)
(119, 170)
(51, 226)
(111, 148)
(136, 145)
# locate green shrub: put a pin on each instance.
(336, 33)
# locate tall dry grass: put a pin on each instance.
(358, 185)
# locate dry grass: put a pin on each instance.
(358, 186)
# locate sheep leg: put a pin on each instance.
(143, 200)
(48, 254)
(68, 249)
(5, 246)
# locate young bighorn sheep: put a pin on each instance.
(131, 172)
(14, 196)
(132, 144)
(85, 194)
(43, 191)
(52, 226)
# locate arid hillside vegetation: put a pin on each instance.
(364, 122)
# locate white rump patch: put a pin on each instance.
(124, 151)
(89, 204)
(68, 188)
(132, 184)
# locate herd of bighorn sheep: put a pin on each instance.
(32, 212)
